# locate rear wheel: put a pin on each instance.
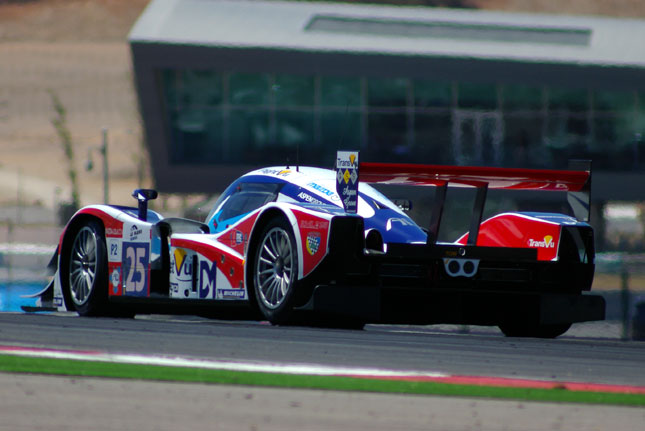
(275, 271)
(87, 271)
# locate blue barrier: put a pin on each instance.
(11, 295)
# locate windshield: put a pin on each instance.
(239, 199)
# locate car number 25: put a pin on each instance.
(136, 256)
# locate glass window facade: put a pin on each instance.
(217, 118)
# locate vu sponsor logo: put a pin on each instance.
(547, 242)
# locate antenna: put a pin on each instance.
(297, 156)
(345, 123)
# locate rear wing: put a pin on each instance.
(576, 182)
(474, 176)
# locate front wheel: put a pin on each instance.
(87, 271)
(275, 271)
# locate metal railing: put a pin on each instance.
(625, 297)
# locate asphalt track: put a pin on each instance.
(425, 349)
(69, 403)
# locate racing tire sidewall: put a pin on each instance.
(96, 301)
(283, 312)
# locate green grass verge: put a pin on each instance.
(21, 364)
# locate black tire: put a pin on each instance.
(519, 329)
(275, 271)
(86, 278)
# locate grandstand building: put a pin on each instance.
(225, 86)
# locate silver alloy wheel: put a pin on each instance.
(82, 266)
(274, 269)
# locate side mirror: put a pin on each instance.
(143, 196)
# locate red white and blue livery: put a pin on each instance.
(311, 245)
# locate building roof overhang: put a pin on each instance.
(394, 30)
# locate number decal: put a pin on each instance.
(114, 250)
(135, 268)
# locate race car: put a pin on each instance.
(319, 246)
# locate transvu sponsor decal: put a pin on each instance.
(547, 242)
(347, 179)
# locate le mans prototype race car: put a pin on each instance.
(311, 245)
